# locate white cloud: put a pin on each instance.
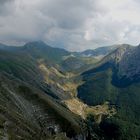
(74, 25)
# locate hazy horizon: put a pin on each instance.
(21, 45)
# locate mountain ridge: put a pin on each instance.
(116, 79)
(87, 93)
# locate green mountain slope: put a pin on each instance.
(107, 82)
(30, 106)
(40, 50)
(27, 113)
(39, 86)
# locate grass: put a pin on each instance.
(98, 88)
(22, 105)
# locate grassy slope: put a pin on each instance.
(41, 50)
(31, 112)
(77, 64)
(18, 99)
(98, 88)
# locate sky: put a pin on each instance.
(75, 25)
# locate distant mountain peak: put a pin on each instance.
(36, 43)
(101, 51)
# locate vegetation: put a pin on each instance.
(98, 88)
(39, 86)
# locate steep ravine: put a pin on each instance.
(66, 85)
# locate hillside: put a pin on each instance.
(34, 114)
(29, 103)
(35, 87)
(116, 80)
(48, 93)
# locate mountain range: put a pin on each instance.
(50, 93)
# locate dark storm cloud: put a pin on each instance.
(4, 1)
(6, 6)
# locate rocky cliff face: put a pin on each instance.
(125, 63)
(116, 55)
(129, 66)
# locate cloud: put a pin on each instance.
(73, 25)
(4, 7)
